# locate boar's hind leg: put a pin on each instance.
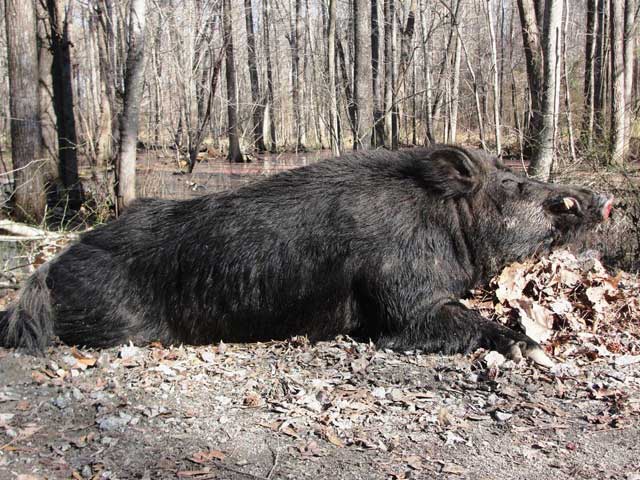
(453, 328)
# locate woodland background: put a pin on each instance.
(85, 82)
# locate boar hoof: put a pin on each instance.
(533, 352)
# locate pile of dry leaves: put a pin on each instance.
(570, 303)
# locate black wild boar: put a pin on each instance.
(375, 245)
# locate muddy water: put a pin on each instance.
(160, 175)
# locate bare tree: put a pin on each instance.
(235, 154)
(331, 60)
(256, 96)
(60, 14)
(589, 57)
(362, 78)
(496, 79)
(542, 161)
(22, 53)
(618, 140)
(533, 57)
(270, 86)
(630, 57)
(599, 68)
(129, 122)
(297, 76)
(378, 112)
(389, 72)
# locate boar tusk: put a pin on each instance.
(569, 203)
(539, 357)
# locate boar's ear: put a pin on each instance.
(454, 172)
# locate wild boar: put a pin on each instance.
(378, 245)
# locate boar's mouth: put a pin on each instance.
(574, 213)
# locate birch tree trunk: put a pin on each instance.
(133, 89)
(630, 29)
(22, 53)
(542, 161)
(618, 138)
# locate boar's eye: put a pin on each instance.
(512, 185)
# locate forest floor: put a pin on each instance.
(345, 410)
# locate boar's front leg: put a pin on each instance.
(450, 327)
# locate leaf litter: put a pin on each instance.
(296, 409)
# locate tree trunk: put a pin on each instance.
(630, 29)
(389, 72)
(496, 79)
(108, 106)
(22, 53)
(270, 95)
(598, 69)
(378, 108)
(331, 61)
(362, 78)
(256, 96)
(542, 161)
(533, 57)
(133, 89)
(296, 77)
(588, 91)
(618, 138)
(455, 91)
(346, 86)
(235, 154)
(48, 122)
(59, 18)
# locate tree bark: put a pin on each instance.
(533, 57)
(630, 29)
(618, 137)
(60, 12)
(235, 154)
(256, 96)
(378, 108)
(542, 161)
(48, 122)
(598, 69)
(28, 166)
(133, 89)
(389, 73)
(270, 94)
(588, 90)
(455, 91)
(496, 79)
(296, 77)
(362, 78)
(331, 61)
(108, 106)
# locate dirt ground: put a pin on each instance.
(291, 410)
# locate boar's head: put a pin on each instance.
(516, 217)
